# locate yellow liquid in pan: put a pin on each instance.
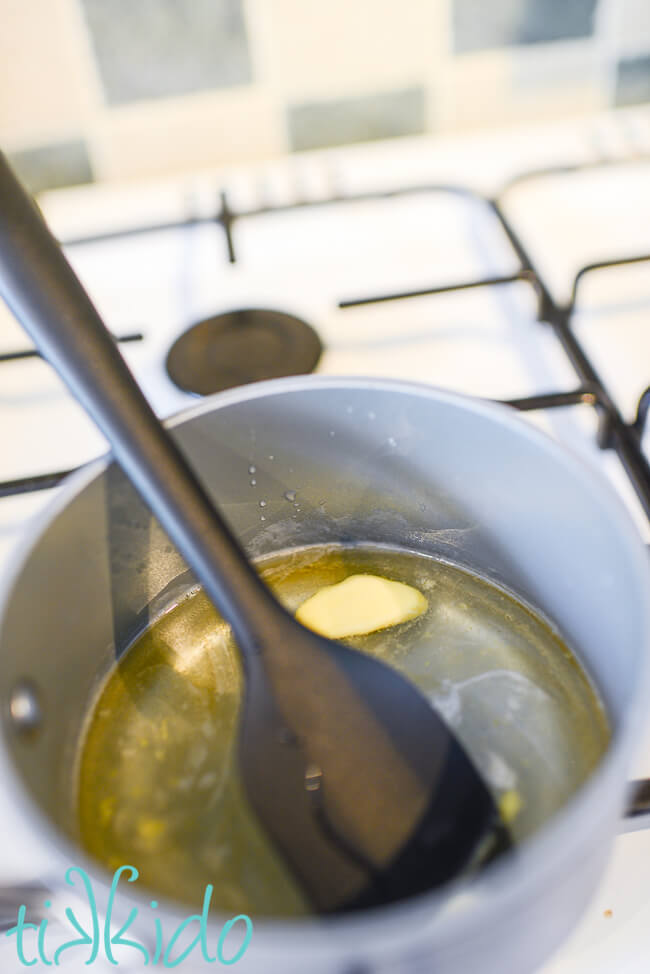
(158, 783)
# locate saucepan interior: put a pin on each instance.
(377, 463)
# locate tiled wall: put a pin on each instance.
(114, 89)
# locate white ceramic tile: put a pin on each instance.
(47, 89)
(154, 138)
(313, 49)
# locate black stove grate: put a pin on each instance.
(613, 431)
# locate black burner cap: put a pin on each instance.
(242, 346)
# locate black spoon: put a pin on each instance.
(357, 780)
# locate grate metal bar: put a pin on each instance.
(642, 411)
(553, 400)
(136, 336)
(28, 485)
(440, 289)
(602, 265)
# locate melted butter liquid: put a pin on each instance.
(158, 782)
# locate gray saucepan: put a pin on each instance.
(374, 461)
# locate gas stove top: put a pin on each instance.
(512, 266)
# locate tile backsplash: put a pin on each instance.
(507, 23)
(338, 121)
(633, 80)
(160, 48)
(96, 90)
(54, 165)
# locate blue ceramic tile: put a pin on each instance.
(481, 24)
(53, 166)
(633, 81)
(158, 48)
(313, 125)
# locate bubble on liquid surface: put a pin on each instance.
(392, 441)
(332, 433)
(290, 495)
(252, 468)
(271, 457)
(262, 517)
(262, 503)
(253, 482)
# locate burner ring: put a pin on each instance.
(238, 347)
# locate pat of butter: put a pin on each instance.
(510, 804)
(360, 604)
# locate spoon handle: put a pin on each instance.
(47, 298)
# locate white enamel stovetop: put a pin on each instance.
(481, 342)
